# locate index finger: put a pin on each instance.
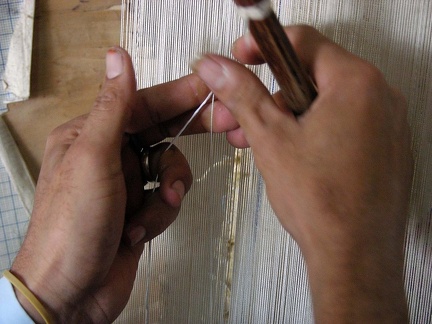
(165, 101)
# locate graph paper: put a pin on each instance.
(13, 216)
(13, 221)
(9, 14)
(16, 197)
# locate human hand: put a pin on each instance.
(90, 195)
(338, 177)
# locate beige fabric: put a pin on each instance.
(226, 258)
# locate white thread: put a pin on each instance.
(259, 11)
(196, 112)
(269, 281)
(148, 280)
(189, 121)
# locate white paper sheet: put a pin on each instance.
(16, 80)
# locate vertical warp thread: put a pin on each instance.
(268, 275)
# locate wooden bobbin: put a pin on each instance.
(296, 85)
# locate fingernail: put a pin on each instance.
(114, 63)
(234, 46)
(210, 71)
(248, 39)
(135, 233)
(179, 188)
(197, 57)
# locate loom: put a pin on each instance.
(226, 259)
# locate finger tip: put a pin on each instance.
(133, 234)
(197, 62)
(237, 138)
(114, 63)
(246, 51)
(235, 47)
(176, 194)
(118, 49)
(118, 64)
(213, 70)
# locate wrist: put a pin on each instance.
(28, 307)
(54, 307)
(357, 285)
(29, 302)
(44, 285)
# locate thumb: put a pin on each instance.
(246, 97)
(112, 109)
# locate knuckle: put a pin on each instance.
(197, 87)
(162, 130)
(56, 132)
(369, 76)
(106, 99)
(53, 137)
(241, 87)
(65, 133)
(304, 30)
(399, 97)
(152, 114)
(367, 86)
(301, 33)
(401, 104)
(88, 157)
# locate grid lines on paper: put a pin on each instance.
(13, 221)
(9, 14)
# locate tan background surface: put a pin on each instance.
(69, 45)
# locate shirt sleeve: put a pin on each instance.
(11, 310)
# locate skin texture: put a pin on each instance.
(90, 195)
(338, 178)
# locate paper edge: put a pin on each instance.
(21, 42)
(18, 171)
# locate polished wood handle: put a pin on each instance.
(296, 85)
